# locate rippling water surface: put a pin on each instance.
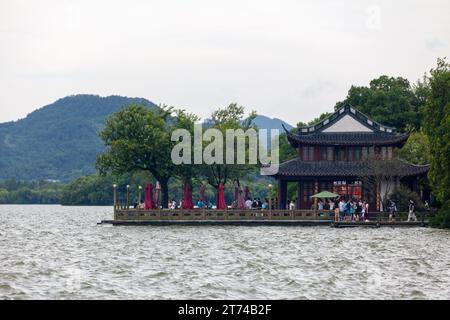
(54, 252)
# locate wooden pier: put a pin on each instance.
(378, 224)
(202, 217)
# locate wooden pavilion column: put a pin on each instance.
(316, 191)
(299, 195)
(282, 194)
(378, 196)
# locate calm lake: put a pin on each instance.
(55, 252)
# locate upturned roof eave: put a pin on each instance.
(353, 112)
(295, 140)
(408, 169)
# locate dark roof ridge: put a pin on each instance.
(297, 168)
(353, 112)
(347, 138)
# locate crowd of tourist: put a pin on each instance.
(351, 210)
(344, 210)
(250, 203)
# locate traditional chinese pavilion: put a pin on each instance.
(334, 154)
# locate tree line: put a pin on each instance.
(30, 192)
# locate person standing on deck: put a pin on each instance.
(259, 204)
(320, 205)
(331, 204)
(412, 211)
(358, 210)
(336, 214)
(200, 204)
(351, 209)
(265, 204)
(392, 211)
(342, 208)
(292, 205)
(254, 204)
(363, 209)
(248, 203)
(366, 211)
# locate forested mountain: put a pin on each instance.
(59, 141)
(264, 122)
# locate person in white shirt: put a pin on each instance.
(331, 204)
(172, 204)
(362, 204)
(366, 210)
(248, 203)
(411, 211)
(342, 208)
(320, 205)
(292, 205)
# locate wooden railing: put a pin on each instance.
(204, 214)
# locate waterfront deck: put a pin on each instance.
(198, 217)
(378, 224)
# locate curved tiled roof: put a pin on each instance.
(346, 110)
(348, 138)
(300, 168)
(375, 133)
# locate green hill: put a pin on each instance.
(264, 122)
(59, 141)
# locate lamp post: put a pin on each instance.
(270, 200)
(140, 189)
(115, 197)
(128, 197)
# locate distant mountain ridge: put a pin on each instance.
(264, 122)
(60, 141)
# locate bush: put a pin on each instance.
(442, 219)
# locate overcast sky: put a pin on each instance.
(287, 59)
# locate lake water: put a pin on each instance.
(55, 252)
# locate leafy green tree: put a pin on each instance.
(231, 117)
(442, 220)
(437, 128)
(137, 139)
(89, 190)
(388, 100)
(186, 172)
(417, 148)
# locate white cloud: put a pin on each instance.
(203, 54)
